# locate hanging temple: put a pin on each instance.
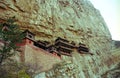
(60, 47)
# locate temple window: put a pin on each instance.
(29, 34)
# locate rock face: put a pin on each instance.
(74, 20)
(77, 19)
(114, 71)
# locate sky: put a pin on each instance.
(110, 10)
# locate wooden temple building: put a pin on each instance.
(60, 47)
(82, 48)
(63, 46)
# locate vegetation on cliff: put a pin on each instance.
(113, 73)
(10, 35)
(13, 69)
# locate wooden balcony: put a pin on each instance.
(64, 49)
(65, 43)
(41, 44)
(83, 48)
(61, 40)
(67, 54)
(51, 48)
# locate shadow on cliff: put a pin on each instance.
(113, 73)
(12, 69)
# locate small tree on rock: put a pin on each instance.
(10, 35)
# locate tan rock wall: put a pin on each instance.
(39, 59)
(74, 20)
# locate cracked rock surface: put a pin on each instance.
(74, 20)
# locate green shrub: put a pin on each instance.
(13, 70)
(23, 74)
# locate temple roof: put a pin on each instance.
(27, 31)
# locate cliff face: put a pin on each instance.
(114, 71)
(74, 20)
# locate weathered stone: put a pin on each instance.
(74, 20)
